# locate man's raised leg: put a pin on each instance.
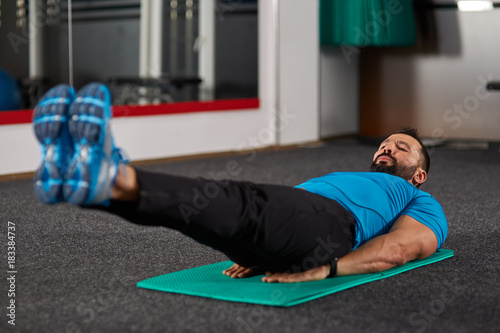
(258, 226)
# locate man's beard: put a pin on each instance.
(394, 169)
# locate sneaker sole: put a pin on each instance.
(49, 120)
(88, 121)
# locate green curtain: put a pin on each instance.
(367, 22)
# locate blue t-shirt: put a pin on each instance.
(377, 200)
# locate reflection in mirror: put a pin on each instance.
(149, 51)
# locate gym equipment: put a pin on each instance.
(208, 281)
(10, 93)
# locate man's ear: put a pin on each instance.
(419, 177)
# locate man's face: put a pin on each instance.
(398, 155)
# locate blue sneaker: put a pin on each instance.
(95, 162)
(51, 130)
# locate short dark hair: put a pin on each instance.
(425, 160)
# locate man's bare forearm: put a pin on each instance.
(407, 240)
(376, 255)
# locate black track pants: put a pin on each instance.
(267, 227)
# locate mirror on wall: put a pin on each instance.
(203, 50)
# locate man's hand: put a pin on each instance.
(237, 271)
(315, 274)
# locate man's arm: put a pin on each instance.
(407, 240)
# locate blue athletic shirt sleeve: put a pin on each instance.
(427, 210)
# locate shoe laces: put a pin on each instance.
(121, 158)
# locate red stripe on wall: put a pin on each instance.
(25, 116)
(15, 117)
(185, 107)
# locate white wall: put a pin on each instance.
(298, 71)
(339, 101)
(19, 151)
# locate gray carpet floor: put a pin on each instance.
(77, 268)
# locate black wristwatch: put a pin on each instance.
(333, 267)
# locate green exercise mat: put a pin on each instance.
(208, 281)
